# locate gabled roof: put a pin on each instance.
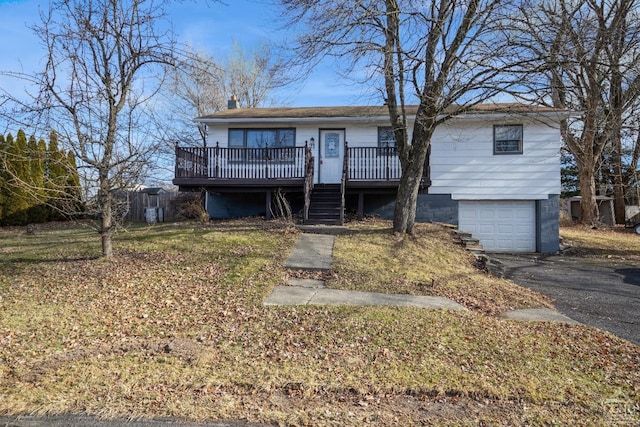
(153, 191)
(365, 112)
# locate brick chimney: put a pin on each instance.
(233, 103)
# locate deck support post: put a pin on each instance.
(360, 205)
(267, 215)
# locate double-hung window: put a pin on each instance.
(263, 144)
(507, 139)
(386, 141)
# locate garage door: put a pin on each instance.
(504, 226)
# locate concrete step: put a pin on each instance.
(470, 241)
(322, 221)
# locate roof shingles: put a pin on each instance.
(363, 111)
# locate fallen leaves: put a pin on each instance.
(174, 326)
(429, 263)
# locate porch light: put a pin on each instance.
(312, 143)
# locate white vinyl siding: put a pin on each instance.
(500, 226)
(462, 160)
(463, 163)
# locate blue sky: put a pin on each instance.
(206, 25)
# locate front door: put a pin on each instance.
(331, 155)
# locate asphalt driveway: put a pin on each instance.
(601, 292)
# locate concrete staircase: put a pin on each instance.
(484, 262)
(325, 205)
(470, 242)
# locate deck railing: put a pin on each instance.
(343, 181)
(373, 164)
(240, 163)
(360, 163)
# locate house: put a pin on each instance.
(493, 171)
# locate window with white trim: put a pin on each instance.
(386, 141)
(507, 139)
(386, 137)
(250, 144)
(262, 138)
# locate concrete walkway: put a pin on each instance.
(538, 314)
(311, 252)
(314, 251)
(319, 295)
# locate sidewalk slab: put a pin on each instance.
(341, 297)
(307, 283)
(538, 315)
(311, 252)
(294, 295)
(290, 295)
(324, 229)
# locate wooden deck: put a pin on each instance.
(365, 170)
(254, 169)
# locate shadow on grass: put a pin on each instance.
(580, 252)
(140, 232)
(37, 250)
(25, 260)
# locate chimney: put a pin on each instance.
(233, 103)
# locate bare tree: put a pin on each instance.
(102, 67)
(201, 85)
(584, 55)
(623, 57)
(194, 88)
(440, 53)
(253, 77)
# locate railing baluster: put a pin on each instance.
(216, 167)
(363, 163)
(373, 164)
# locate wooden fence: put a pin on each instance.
(137, 202)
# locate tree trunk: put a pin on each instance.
(589, 213)
(105, 199)
(107, 245)
(404, 215)
(618, 195)
(615, 119)
(619, 184)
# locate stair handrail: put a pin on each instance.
(343, 183)
(308, 180)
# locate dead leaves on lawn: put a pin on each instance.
(427, 263)
(174, 326)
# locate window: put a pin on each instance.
(507, 139)
(386, 141)
(282, 140)
(261, 138)
(386, 137)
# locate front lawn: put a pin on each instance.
(174, 326)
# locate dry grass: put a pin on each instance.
(174, 326)
(612, 243)
(371, 258)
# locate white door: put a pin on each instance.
(500, 226)
(331, 155)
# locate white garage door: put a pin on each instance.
(500, 226)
